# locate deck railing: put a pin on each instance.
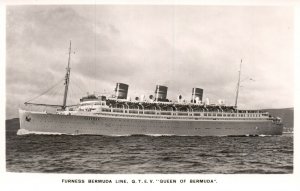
(209, 114)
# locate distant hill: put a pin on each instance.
(286, 114)
(12, 125)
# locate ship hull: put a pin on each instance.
(106, 125)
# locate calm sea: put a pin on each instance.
(148, 154)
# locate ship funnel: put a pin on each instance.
(197, 93)
(161, 93)
(121, 91)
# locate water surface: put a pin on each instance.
(148, 154)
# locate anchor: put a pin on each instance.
(27, 118)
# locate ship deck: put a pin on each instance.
(168, 115)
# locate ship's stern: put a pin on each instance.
(278, 125)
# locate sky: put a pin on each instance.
(182, 47)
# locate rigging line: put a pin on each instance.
(54, 92)
(46, 91)
(71, 95)
(41, 104)
(61, 94)
(58, 92)
(45, 99)
(74, 95)
(78, 86)
(73, 83)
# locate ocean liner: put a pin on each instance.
(117, 115)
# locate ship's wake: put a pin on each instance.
(26, 132)
(265, 135)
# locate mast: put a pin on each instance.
(67, 80)
(238, 85)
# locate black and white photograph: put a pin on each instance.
(160, 89)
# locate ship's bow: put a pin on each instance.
(23, 117)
